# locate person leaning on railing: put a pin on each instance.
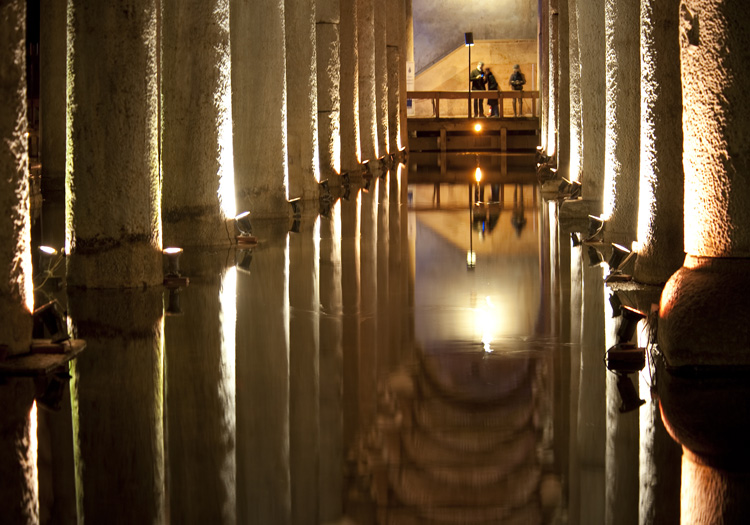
(517, 80)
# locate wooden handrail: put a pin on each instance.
(436, 96)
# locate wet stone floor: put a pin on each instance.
(416, 354)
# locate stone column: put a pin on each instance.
(302, 99)
(408, 57)
(703, 329)
(563, 89)
(263, 469)
(53, 76)
(349, 86)
(574, 169)
(259, 107)
(304, 371)
(117, 393)
(201, 396)
(661, 185)
(18, 479)
(553, 79)
(620, 198)
(197, 150)
(381, 79)
(113, 221)
(16, 294)
(545, 79)
(329, 81)
(395, 29)
(331, 367)
(590, 19)
(367, 81)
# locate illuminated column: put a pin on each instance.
(703, 335)
(113, 188)
(590, 22)
(620, 200)
(18, 480)
(52, 57)
(553, 79)
(117, 393)
(201, 396)
(259, 107)
(544, 75)
(563, 89)
(367, 80)
(408, 55)
(263, 470)
(197, 163)
(349, 86)
(16, 300)
(302, 97)
(381, 78)
(329, 80)
(574, 73)
(661, 186)
(304, 371)
(395, 66)
(331, 370)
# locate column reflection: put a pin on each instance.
(117, 399)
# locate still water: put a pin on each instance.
(402, 358)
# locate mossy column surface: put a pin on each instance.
(259, 107)
(703, 328)
(197, 163)
(328, 55)
(367, 81)
(620, 198)
(574, 89)
(302, 97)
(381, 78)
(396, 39)
(16, 300)
(349, 86)
(661, 185)
(112, 173)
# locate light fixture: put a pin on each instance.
(243, 259)
(50, 388)
(242, 222)
(325, 190)
(478, 174)
(575, 240)
(295, 228)
(48, 250)
(385, 165)
(403, 155)
(174, 307)
(296, 207)
(616, 304)
(172, 276)
(48, 320)
(568, 189)
(595, 256)
(596, 226)
(618, 259)
(471, 260)
(365, 170)
(625, 358)
(468, 39)
(629, 398)
(628, 324)
(477, 127)
(366, 185)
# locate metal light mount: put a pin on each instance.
(242, 222)
(172, 276)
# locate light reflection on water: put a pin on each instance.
(353, 370)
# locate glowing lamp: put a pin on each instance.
(478, 174)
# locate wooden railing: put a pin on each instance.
(437, 96)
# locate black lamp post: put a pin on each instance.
(469, 42)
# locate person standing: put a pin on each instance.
(477, 84)
(491, 86)
(517, 80)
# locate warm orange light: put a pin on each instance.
(478, 174)
(477, 127)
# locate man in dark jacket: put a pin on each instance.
(517, 80)
(491, 86)
(477, 84)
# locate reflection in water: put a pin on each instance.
(349, 370)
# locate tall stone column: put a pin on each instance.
(328, 52)
(590, 19)
(545, 79)
(259, 107)
(304, 371)
(349, 86)
(574, 93)
(117, 395)
(703, 330)
(395, 40)
(16, 294)
(661, 185)
(201, 396)
(381, 79)
(368, 126)
(331, 368)
(53, 75)
(408, 57)
(563, 88)
(620, 201)
(263, 441)
(18, 479)
(197, 150)
(113, 220)
(302, 97)
(553, 79)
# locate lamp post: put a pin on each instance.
(469, 42)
